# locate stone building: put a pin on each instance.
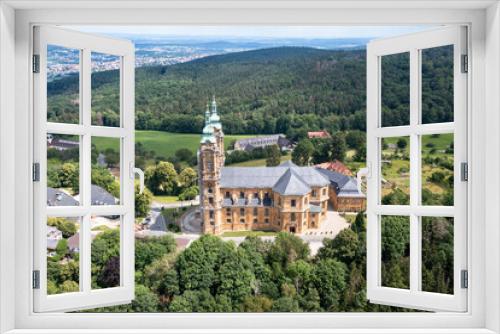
(282, 198)
(248, 144)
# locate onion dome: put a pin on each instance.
(208, 134)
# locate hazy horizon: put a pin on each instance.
(252, 32)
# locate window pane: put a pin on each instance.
(395, 77)
(105, 171)
(63, 247)
(105, 251)
(63, 172)
(437, 169)
(395, 236)
(105, 89)
(437, 254)
(437, 85)
(395, 169)
(63, 85)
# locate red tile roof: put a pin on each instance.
(336, 166)
(318, 134)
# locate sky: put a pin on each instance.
(303, 32)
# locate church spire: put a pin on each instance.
(214, 106)
(207, 114)
(214, 117)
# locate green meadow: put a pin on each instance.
(163, 143)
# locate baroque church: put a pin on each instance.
(282, 198)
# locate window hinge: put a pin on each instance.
(36, 172)
(464, 284)
(464, 171)
(36, 63)
(465, 63)
(36, 279)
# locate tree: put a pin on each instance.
(256, 304)
(112, 157)
(338, 146)
(401, 143)
(187, 178)
(287, 248)
(142, 201)
(395, 237)
(273, 156)
(329, 280)
(234, 277)
(109, 277)
(69, 286)
(62, 248)
(322, 151)
(302, 153)
(300, 273)
(188, 193)
(360, 155)
(343, 247)
(103, 178)
(310, 301)
(286, 304)
(104, 246)
(145, 300)
(162, 178)
(396, 197)
(156, 271)
(355, 139)
(184, 154)
(193, 301)
(150, 249)
(196, 265)
(67, 227)
(359, 224)
(69, 176)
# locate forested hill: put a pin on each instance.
(277, 90)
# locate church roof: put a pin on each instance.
(345, 186)
(286, 178)
(291, 184)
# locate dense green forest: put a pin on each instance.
(213, 275)
(279, 90)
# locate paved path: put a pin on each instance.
(190, 223)
(334, 223)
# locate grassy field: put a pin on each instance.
(163, 143)
(248, 234)
(396, 171)
(259, 162)
(165, 199)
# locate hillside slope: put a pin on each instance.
(287, 89)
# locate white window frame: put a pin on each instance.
(16, 19)
(86, 297)
(412, 44)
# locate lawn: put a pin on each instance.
(164, 143)
(259, 162)
(248, 234)
(165, 199)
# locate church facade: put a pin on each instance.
(282, 198)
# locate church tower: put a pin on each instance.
(210, 162)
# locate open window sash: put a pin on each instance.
(84, 130)
(413, 46)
